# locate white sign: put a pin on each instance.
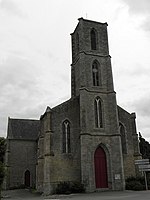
(144, 166)
(117, 177)
(142, 162)
(145, 170)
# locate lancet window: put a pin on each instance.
(93, 40)
(66, 136)
(96, 73)
(98, 113)
(77, 42)
(123, 138)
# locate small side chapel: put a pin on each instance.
(87, 139)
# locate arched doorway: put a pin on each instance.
(27, 178)
(101, 178)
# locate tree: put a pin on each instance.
(144, 147)
(2, 154)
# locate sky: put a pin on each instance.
(35, 54)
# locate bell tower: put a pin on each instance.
(92, 81)
(91, 65)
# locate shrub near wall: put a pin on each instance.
(69, 187)
(135, 183)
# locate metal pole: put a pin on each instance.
(145, 180)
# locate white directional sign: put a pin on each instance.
(142, 162)
(145, 170)
(144, 166)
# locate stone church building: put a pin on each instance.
(87, 139)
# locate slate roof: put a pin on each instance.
(25, 129)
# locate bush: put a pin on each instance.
(77, 187)
(135, 183)
(69, 187)
(63, 188)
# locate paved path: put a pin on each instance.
(125, 195)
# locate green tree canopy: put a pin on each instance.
(2, 154)
(2, 148)
(144, 147)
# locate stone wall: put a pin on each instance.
(58, 166)
(21, 156)
(133, 153)
(68, 164)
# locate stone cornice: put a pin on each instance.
(92, 53)
(100, 134)
(97, 91)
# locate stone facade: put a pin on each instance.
(87, 139)
(21, 151)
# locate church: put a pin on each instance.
(88, 139)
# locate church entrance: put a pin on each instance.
(27, 178)
(101, 179)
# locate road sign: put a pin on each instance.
(144, 166)
(145, 170)
(142, 162)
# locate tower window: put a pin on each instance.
(95, 73)
(77, 42)
(98, 113)
(66, 136)
(93, 39)
(123, 138)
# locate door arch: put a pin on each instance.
(27, 178)
(100, 162)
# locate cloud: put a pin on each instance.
(142, 105)
(3, 126)
(141, 8)
(143, 126)
(146, 25)
(27, 88)
(11, 7)
(138, 6)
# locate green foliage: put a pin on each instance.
(2, 167)
(69, 187)
(63, 188)
(144, 147)
(135, 183)
(2, 148)
(77, 187)
(2, 153)
(2, 173)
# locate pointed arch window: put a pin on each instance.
(123, 138)
(66, 136)
(77, 42)
(93, 40)
(98, 113)
(96, 73)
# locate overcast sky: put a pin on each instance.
(35, 54)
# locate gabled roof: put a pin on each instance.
(123, 110)
(25, 129)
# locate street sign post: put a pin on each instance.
(144, 166)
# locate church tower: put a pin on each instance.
(92, 81)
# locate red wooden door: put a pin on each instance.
(101, 179)
(27, 178)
